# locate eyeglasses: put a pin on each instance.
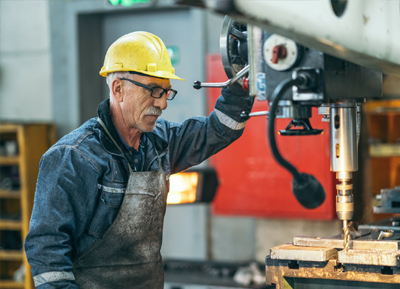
(156, 92)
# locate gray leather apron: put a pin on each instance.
(128, 254)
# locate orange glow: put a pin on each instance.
(182, 188)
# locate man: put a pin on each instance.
(101, 192)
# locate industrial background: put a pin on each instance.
(50, 55)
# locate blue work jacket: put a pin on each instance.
(82, 180)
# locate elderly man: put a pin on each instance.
(101, 192)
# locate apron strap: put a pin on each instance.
(108, 133)
(151, 137)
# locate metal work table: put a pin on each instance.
(372, 260)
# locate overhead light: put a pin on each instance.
(192, 186)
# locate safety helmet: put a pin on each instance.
(141, 52)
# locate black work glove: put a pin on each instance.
(235, 100)
(237, 90)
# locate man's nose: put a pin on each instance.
(161, 102)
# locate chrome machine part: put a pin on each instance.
(389, 201)
(237, 78)
(385, 234)
(344, 201)
(343, 138)
(359, 110)
(392, 223)
(233, 46)
(257, 73)
(344, 159)
(258, 113)
(287, 109)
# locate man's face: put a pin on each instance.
(139, 110)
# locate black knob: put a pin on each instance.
(308, 191)
(197, 84)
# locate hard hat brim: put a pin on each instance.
(159, 74)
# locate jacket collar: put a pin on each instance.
(104, 114)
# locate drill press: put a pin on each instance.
(333, 27)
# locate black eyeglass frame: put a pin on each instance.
(168, 92)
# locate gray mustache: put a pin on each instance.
(154, 111)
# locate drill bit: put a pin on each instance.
(346, 235)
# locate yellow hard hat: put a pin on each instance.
(141, 52)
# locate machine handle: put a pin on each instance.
(197, 84)
(385, 234)
(244, 115)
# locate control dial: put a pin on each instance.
(280, 53)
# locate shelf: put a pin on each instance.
(384, 150)
(32, 140)
(11, 284)
(7, 194)
(382, 106)
(8, 128)
(10, 224)
(11, 255)
(9, 160)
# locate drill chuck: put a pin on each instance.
(344, 201)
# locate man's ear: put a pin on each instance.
(116, 87)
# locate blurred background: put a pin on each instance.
(50, 56)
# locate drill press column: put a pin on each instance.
(344, 156)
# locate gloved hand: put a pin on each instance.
(235, 100)
(237, 90)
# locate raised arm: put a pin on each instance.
(198, 138)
